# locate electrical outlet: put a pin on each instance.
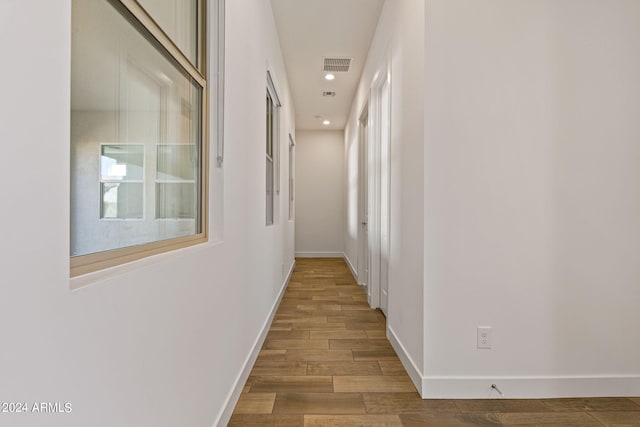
(484, 336)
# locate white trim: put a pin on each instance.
(435, 387)
(362, 276)
(409, 365)
(514, 387)
(373, 194)
(351, 267)
(232, 398)
(375, 188)
(319, 254)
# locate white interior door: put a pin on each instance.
(379, 167)
(385, 177)
(363, 203)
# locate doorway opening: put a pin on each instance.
(375, 192)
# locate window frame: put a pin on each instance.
(138, 17)
(272, 150)
(292, 182)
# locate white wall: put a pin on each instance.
(319, 193)
(515, 193)
(398, 46)
(163, 341)
(532, 197)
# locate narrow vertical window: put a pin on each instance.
(138, 146)
(269, 166)
(272, 138)
(292, 187)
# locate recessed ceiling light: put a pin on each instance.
(329, 76)
(326, 123)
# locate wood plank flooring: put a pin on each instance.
(326, 362)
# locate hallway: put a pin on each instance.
(325, 349)
(326, 362)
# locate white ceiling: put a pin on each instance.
(312, 29)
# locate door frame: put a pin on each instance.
(363, 196)
(385, 190)
(377, 187)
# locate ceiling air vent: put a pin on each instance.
(336, 65)
(327, 93)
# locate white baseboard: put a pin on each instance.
(319, 255)
(530, 387)
(512, 387)
(415, 373)
(232, 399)
(351, 267)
